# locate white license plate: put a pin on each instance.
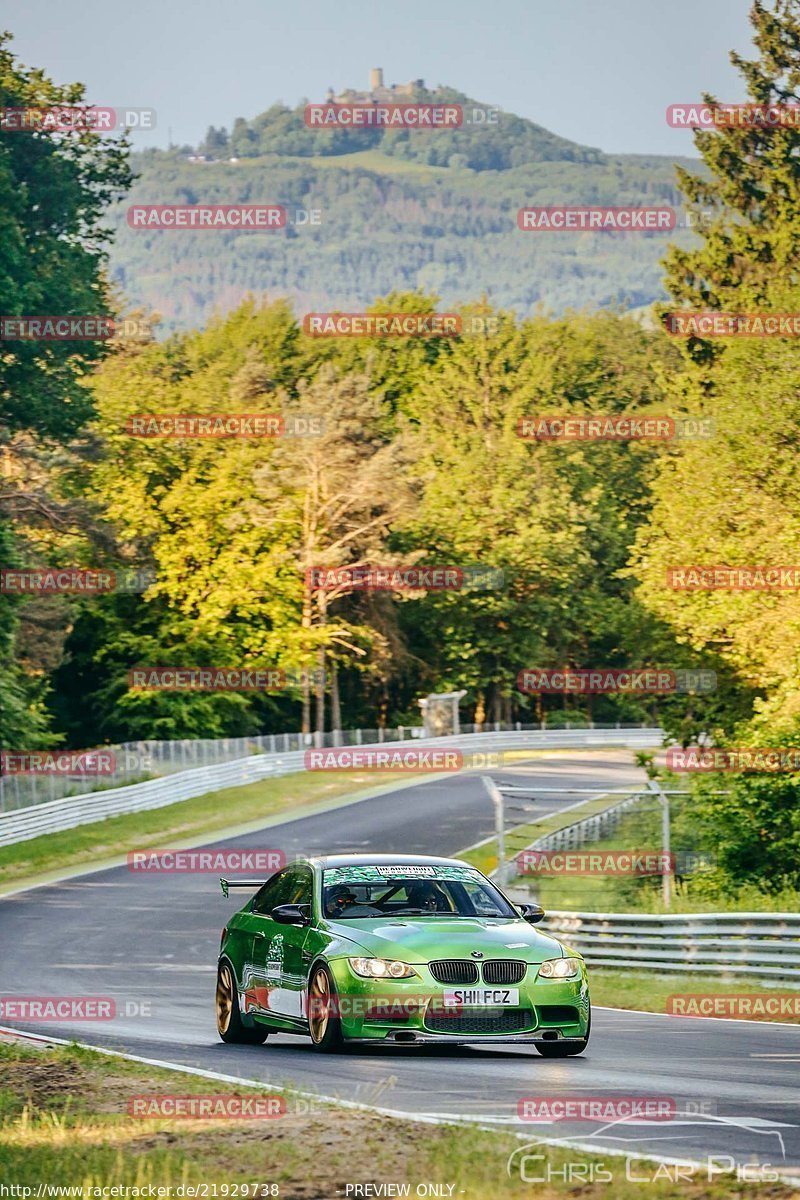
(480, 997)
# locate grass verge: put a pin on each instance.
(649, 991)
(217, 812)
(695, 888)
(484, 857)
(229, 811)
(64, 1123)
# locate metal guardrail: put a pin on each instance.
(736, 943)
(23, 824)
(588, 829)
(569, 837)
(134, 762)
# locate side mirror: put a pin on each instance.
(532, 913)
(292, 914)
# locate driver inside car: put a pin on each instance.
(338, 899)
(428, 897)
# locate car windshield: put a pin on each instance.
(353, 892)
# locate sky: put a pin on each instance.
(599, 72)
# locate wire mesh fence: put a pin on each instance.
(34, 820)
(134, 762)
(635, 861)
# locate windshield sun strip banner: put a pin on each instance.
(383, 873)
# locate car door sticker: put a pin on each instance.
(274, 967)
(259, 979)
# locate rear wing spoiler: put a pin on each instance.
(225, 884)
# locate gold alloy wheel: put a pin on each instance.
(319, 1004)
(224, 998)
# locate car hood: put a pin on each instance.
(420, 941)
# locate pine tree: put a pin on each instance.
(750, 246)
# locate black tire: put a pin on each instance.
(324, 1024)
(565, 1049)
(229, 1019)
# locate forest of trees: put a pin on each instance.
(490, 143)
(419, 462)
(428, 219)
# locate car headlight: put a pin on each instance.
(560, 968)
(381, 968)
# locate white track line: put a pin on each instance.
(418, 1118)
(642, 1012)
(352, 1104)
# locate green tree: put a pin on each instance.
(54, 190)
(215, 142)
(751, 188)
(23, 715)
(555, 520)
(233, 525)
(734, 500)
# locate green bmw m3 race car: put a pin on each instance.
(395, 948)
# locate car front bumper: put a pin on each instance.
(412, 1011)
(413, 1037)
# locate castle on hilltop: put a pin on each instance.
(378, 92)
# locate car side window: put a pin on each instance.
(292, 886)
(302, 887)
(274, 892)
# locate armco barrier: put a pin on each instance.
(134, 762)
(589, 829)
(754, 944)
(21, 825)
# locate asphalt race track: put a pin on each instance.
(152, 940)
